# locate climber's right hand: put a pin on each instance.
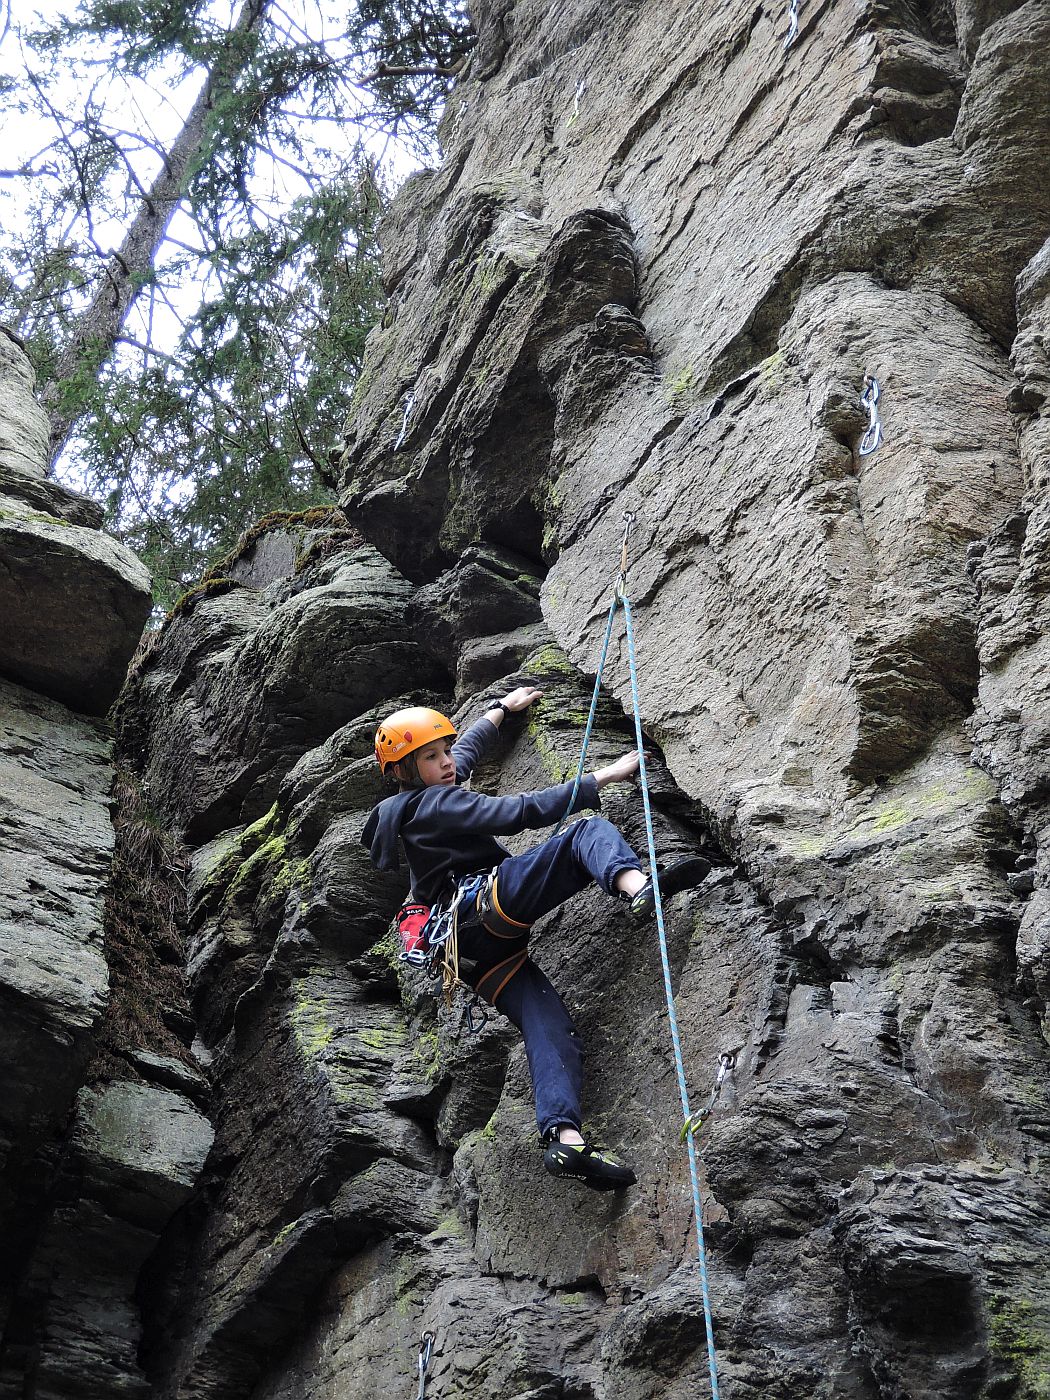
(619, 772)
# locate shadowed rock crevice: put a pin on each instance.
(483, 421)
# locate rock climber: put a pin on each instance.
(449, 833)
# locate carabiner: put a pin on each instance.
(483, 1016)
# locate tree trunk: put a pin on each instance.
(130, 266)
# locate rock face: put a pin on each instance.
(73, 601)
(134, 1155)
(89, 1174)
(57, 841)
(662, 257)
(368, 1151)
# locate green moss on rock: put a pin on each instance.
(545, 748)
(313, 1031)
(426, 1052)
(448, 1227)
(37, 517)
(317, 517)
(551, 660)
(380, 1038)
(682, 387)
(1018, 1340)
(209, 587)
(261, 847)
(283, 1234)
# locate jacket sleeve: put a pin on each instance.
(472, 813)
(472, 746)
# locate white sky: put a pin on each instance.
(155, 108)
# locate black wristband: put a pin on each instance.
(499, 705)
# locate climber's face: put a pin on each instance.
(435, 764)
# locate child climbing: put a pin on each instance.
(449, 834)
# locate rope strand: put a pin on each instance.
(672, 1014)
(590, 718)
(620, 598)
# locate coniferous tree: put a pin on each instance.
(196, 298)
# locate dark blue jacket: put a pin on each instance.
(449, 831)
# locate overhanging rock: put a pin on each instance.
(73, 601)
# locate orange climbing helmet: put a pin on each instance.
(408, 730)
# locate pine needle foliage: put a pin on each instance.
(189, 244)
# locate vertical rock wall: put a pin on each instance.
(95, 1155)
(662, 254)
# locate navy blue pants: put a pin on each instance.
(527, 887)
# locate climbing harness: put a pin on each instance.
(792, 23)
(870, 400)
(493, 917)
(408, 403)
(436, 946)
(426, 1346)
(429, 939)
(620, 600)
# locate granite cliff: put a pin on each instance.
(663, 254)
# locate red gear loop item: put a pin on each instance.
(410, 922)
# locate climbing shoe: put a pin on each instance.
(585, 1163)
(682, 874)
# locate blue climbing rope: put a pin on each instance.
(672, 1014)
(591, 714)
(620, 599)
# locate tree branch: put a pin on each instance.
(389, 70)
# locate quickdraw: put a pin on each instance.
(792, 23)
(696, 1121)
(408, 403)
(426, 1346)
(581, 88)
(870, 400)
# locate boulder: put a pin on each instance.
(73, 601)
(53, 641)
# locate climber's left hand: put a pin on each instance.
(522, 698)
